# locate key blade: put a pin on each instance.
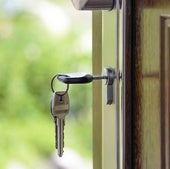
(60, 136)
(59, 109)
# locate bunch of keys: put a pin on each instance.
(59, 109)
(60, 100)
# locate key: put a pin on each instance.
(79, 78)
(75, 78)
(59, 109)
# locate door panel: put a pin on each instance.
(146, 86)
(149, 85)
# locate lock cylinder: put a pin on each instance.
(94, 4)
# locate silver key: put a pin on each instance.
(59, 109)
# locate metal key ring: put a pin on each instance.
(52, 88)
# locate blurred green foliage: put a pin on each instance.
(29, 57)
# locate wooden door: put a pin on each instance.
(147, 39)
(146, 101)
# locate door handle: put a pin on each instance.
(95, 4)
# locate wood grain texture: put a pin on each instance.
(127, 84)
(143, 105)
(133, 89)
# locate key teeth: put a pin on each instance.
(56, 143)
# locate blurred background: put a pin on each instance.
(38, 39)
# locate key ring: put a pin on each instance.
(52, 88)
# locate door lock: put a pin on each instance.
(82, 78)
